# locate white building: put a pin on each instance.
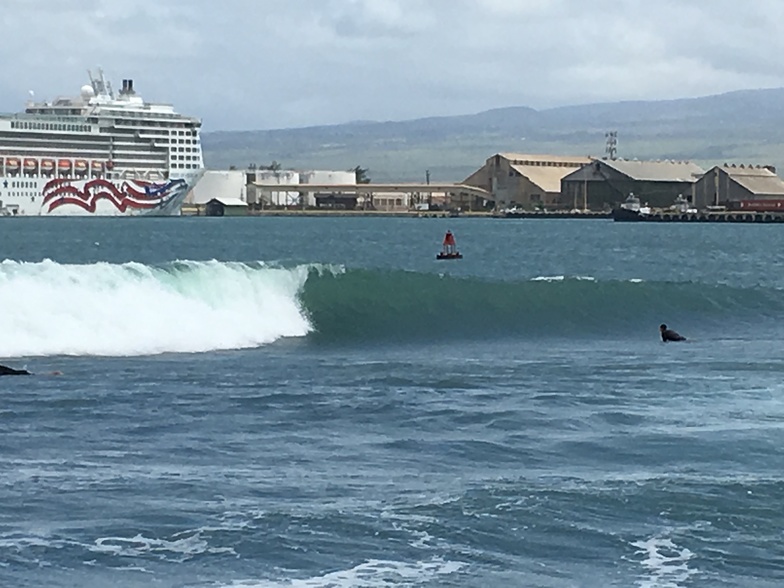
(219, 184)
(253, 186)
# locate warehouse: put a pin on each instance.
(523, 180)
(606, 183)
(733, 185)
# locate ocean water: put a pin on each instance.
(282, 402)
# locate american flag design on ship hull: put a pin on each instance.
(139, 195)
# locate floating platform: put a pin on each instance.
(621, 215)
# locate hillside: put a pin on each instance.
(743, 127)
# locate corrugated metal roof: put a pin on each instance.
(756, 179)
(761, 184)
(657, 171)
(548, 178)
(576, 160)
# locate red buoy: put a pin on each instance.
(449, 248)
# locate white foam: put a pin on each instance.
(666, 563)
(371, 574)
(563, 278)
(181, 548)
(135, 309)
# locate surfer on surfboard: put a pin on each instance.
(669, 334)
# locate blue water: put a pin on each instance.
(310, 402)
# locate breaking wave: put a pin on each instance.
(136, 309)
(187, 306)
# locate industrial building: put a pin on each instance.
(606, 183)
(261, 197)
(522, 180)
(322, 177)
(738, 186)
(261, 192)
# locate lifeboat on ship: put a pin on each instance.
(30, 166)
(80, 166)
(64, 166)
(97, 167)
(12, 165)
(449, 248)
(47, 167)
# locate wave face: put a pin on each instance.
(398, 305)
(136, 309)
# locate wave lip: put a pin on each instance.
(135, 309)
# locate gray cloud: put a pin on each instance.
(278, 63)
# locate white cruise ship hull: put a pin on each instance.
(98, 154)
(94, 196)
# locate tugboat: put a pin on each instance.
(631, 210)
(449, 249)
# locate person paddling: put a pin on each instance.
(669, 334)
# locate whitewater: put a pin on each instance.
(315, 402)
(135, 309)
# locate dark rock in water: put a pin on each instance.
(7, 371)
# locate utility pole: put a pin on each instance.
(429, 194)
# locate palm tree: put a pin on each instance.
(362, 175)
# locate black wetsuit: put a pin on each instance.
(7, 371)
(670, 335)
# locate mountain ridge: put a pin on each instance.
(734, 126)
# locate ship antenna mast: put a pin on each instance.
(99, 84)
(93, 82)
(107, 87)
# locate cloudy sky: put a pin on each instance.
(262, 64)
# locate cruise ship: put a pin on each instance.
(98, 154)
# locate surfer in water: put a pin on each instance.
(7, 371)
(669, 334)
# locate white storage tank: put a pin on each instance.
(219, 184)
(275, 178)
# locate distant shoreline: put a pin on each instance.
(412, 214)
(355, 213)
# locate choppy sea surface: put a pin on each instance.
(306, 402)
